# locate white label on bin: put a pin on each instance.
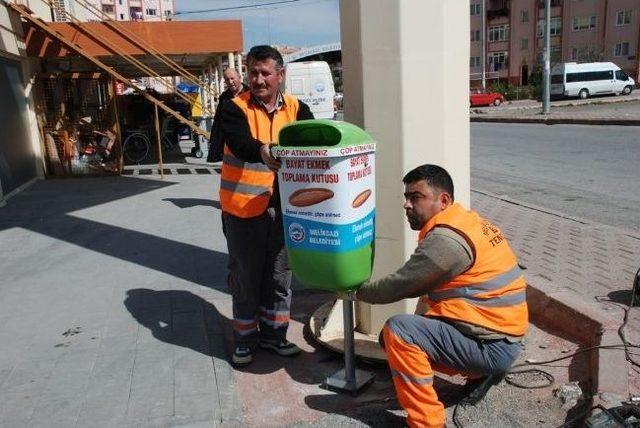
(328, 203)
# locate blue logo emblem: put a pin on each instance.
(296, 232)
(320, 86)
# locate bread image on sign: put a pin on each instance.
(308, 197)
(361, 198)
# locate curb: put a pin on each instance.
(563, 311)
(557, 121)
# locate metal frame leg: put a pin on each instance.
(349, 379)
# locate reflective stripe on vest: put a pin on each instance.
(246, 188)
(234, 161)
(470, 292)
(249, 189)
(492, 292)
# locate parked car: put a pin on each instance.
(481, 97)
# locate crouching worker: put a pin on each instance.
(473, 291)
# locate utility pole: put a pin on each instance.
(484, 44)
(546, 73)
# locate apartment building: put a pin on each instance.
(511, 35)
(120, 10)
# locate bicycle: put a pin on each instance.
(137, 144)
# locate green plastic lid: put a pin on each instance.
(322, 133)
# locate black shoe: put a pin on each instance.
(476, 389)
(281, 347)
(242, 356)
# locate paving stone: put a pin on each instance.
(103, 411)
(194, 375)
(16, 408)
(29, 376)
(153, 402)
(198, 406)
(56, 413)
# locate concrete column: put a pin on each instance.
(220, 76)
(406, 82)
(231, 60)
(239, 64)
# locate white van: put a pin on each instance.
(312, 83)
(571, 79)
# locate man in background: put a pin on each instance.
(235, 87)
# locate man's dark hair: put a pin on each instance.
(263, 53)
(435, 176)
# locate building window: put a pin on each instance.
(122, 17)
(476, 9)
(497, 61)
(107, 8)
(555, 29)
(621, 49)
(475, 35)
(167, 12)
(524, 44)
(584, 22)
(474, 61)
(524, 16)
(120, 2)
(623, 17)
(555, 54)
(151, 11)
(499, 33)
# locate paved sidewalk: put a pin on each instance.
(534, 104)
(113, 312)
(596, 111)
(108, 302)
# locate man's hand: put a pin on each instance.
(273, 163)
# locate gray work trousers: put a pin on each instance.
(446, 347)
(259, 277)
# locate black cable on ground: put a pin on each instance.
(625, 342)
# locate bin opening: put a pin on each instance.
(311, 134)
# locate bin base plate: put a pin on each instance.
(326, 327)
(338, 381)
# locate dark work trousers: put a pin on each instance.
(259, 276)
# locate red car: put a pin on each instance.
(480, 97)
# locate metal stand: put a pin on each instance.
(349, 379)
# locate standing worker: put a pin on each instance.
(259, 275)
(473, 292)
(235, 87)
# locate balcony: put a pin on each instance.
(135, 13)
(554, 3)
(498, 9)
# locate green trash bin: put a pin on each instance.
(327, 192)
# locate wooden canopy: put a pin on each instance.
(168, 37)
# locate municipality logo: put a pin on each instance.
(296, 232)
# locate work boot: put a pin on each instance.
(476, 389)
(242, 356)
(281, 347)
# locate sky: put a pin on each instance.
(301, 23)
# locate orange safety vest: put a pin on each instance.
(492, 292)
(245, 187)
